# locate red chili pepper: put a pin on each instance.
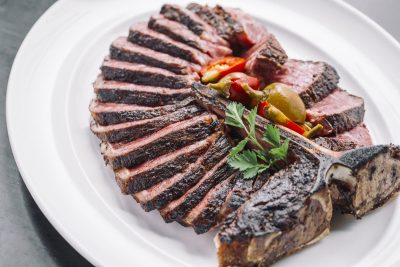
(261, 108)
(272, 113)
(232, 86)
(221, 67)
(294, 127)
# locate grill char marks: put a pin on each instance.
(147, 148)
(144, 178)
(129, 131)
(207, 14)
(162, 194)
(144, 75)
(338, 112)
(113, 113)
(286, 214)
(313, 81)
(122, 49)
(179, 208)
(128, 93)
(205, 215)
(181, 33)
(139, 34)
(266, 58)
(192, 22)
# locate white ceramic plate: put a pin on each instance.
(47, 115)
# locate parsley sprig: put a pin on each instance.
(254, 161)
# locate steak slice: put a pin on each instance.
(149, 174)
(144, 75)
(289, 212)
(128, 93)
(204, 216)
(163, 193)
(208, 15)
(313, 81)
(122, 49)
(179, 208)
(192, 22)
(141, 35)
(355, 138)
(129, 131)
(338, 112)
(112, 113)
(244, 30)
(162, 142)
(181, 33)
(266, 59)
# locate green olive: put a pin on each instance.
(286, 100)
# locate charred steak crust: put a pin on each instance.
(142, 36)
(208, 217)
(194, 197)
(277, 220)
(143, 77)
(267, 59)
(150, 57)
(321, 79)
(151, 177)
(338, 112)
(135, 130)
(207, 14)
(164, 144)
(143, 98)
(133, 113)
(191, 175)
(174, 13)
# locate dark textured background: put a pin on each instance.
(26, 237)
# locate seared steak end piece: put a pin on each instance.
(365, 178)
(289, 212)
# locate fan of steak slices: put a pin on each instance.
(170, 152)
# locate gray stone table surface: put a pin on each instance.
(26, 237)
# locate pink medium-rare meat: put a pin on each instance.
(122, 49)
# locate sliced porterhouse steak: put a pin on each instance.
(192, 22)
(128, 93)
(267, 58)
(163, 193)
(297, 199)
(150, 174)
(141, 74)
(129, 131)
(113, 113)
(357, 137)
(141, 35)
(162, 142)
(338, 112)
(181, 33)
(179, 208)
(122, 49)
(208, 15)
(311, 80)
